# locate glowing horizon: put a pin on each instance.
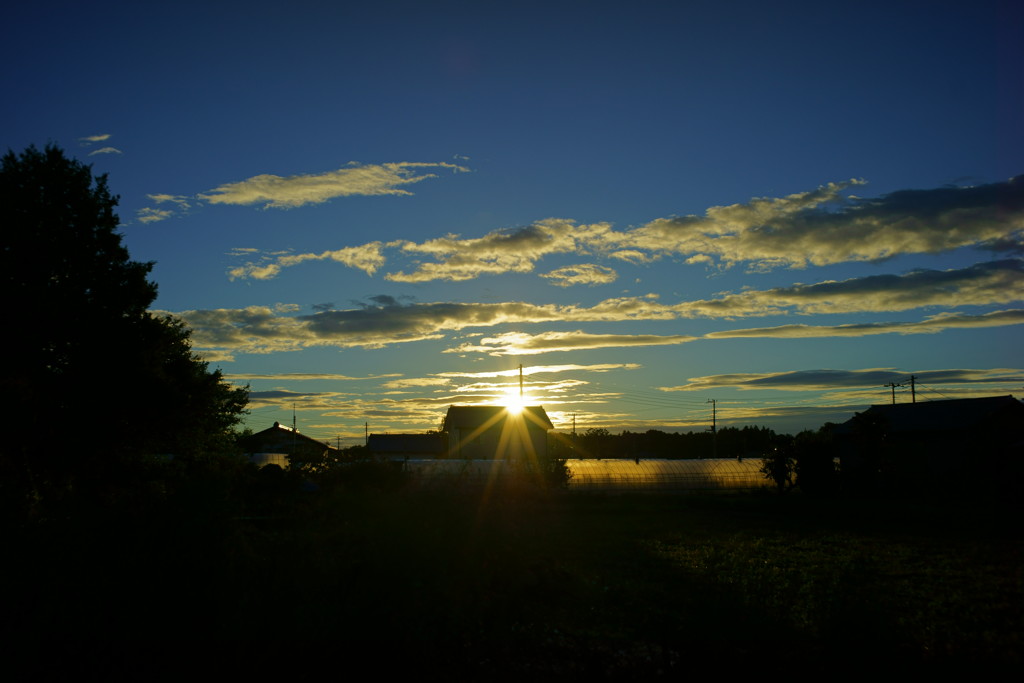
(645, 223)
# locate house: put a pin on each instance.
(496, 432)
(955, 443)
(407, 446)
(276, 444)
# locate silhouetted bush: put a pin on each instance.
(779, 465)
(815, 467)
(365, 474)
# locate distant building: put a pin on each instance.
(956, 443)
(407, 446)
(495, 432)
(275, 444)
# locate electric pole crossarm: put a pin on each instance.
(893, 385)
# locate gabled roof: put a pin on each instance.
(471, 417)
(279, 438)
(948, 415)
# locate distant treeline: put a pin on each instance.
(728, 442)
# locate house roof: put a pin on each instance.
(280, 438)
(471, 417)
(427, 444)
(948, 415)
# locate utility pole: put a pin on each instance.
(714, 427)
(366, 433)
(913, 391)
(520, 383)
(893, 385)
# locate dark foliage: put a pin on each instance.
(96, 385)
(727, 442)
(779, 466)
(815, 456)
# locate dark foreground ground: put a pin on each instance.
(519, 584)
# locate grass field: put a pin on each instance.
(527, 583)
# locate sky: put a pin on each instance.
(664, 213)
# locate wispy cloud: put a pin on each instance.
(819, 380)
(366, 257)
(824, 226)
(89, 140)
(993, 282)
(520, 343)
(490, 392)
(502, 251)
(180, 204)
(261, 329)
(303, 400)
(152, 215)
(458, 259)
(305, 376)
(930, 325)
(492, 386)
(386, 321)
(417, 382)
(545, 369)
(583, 274)
(299, 190)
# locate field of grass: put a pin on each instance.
(527, 583)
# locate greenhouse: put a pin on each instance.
(666, 475)
(606, 475)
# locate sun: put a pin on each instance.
(513, 402)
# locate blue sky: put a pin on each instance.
(369, 213)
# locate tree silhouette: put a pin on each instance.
(93, 380)
(816, 454)
(778, 465)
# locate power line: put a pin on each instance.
(893, 386)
